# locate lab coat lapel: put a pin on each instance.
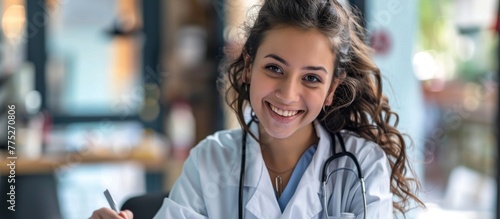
(263, 203)
(306, 202)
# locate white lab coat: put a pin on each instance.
(209, 183)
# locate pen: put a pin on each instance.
(111, 202)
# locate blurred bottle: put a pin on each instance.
(181, 129)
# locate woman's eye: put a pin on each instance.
(312, 78)
(274, 68)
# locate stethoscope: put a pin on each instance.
(325, 174)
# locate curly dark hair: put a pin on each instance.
(359, 104)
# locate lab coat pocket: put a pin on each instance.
(343, 216)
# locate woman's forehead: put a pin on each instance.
(298, 46)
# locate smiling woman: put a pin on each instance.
(316, 105)
(289, 84)
(290, 75)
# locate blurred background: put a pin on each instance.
(112, 94)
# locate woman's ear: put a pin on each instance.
(329, 98)
(331, 92)
(246, 75)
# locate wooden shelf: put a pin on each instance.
(48, 164)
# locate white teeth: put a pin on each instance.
(285, 113)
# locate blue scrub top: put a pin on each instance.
(297, 173)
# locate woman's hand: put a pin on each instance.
(107, 213)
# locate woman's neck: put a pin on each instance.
(283, 154)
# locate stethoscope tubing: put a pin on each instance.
(242, 172)
(325, 177)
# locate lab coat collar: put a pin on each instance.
(323, 152)
(308, 191)
(254, 167)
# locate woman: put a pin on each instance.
(307, 79)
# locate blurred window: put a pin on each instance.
(93, 58)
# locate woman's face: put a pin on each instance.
(291, 80)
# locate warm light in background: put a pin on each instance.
(13, 21)
(237, 12)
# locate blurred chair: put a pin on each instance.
(145, 206)
(35, 197)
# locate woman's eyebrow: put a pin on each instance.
(315, 68)
(277, 58)
(310, 68)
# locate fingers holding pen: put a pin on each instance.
(126, 214)
(107, 213)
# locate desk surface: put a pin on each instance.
(49, 163)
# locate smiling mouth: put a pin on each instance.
(284, 113)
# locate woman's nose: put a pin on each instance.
(288, 91)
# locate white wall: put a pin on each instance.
(399, 19)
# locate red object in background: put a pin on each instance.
(47, 127)
(497, 22)
(381, 42)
